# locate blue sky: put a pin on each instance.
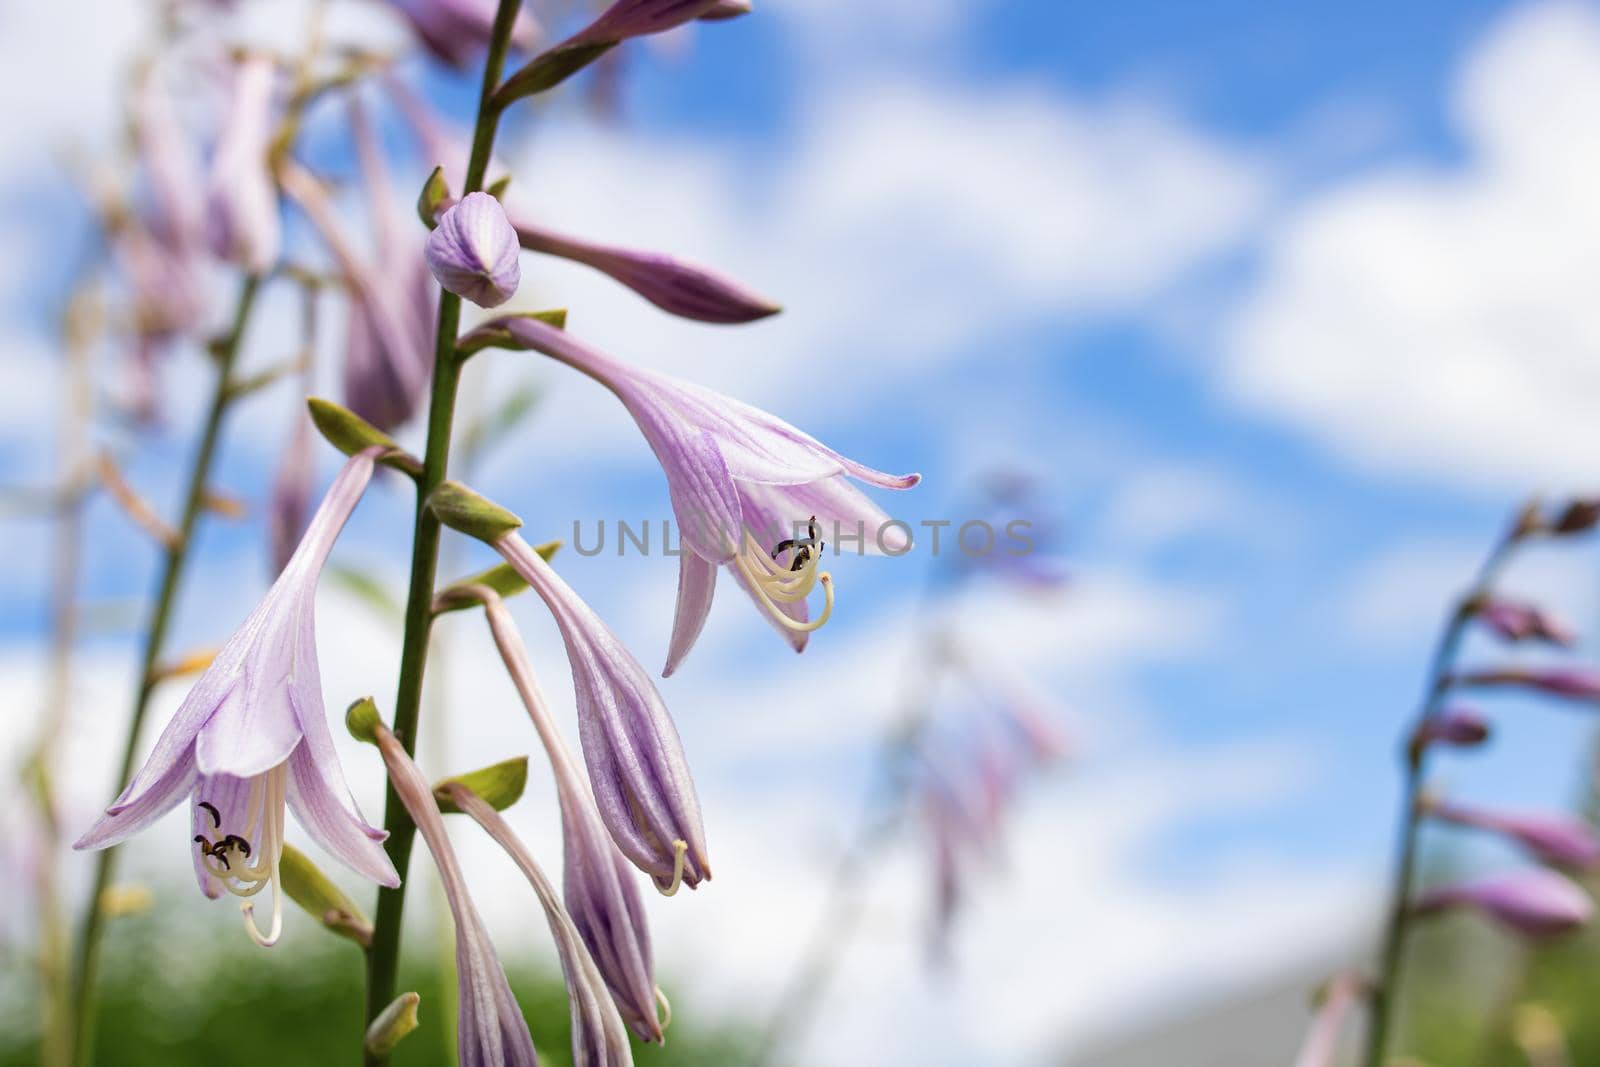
(1277, 301)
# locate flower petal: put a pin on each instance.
(155, 800)
(697, 581)
(321, 804)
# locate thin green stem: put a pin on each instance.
(1392, 954)
(383, 956)
(172, 567)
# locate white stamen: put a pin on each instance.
(777, 584)
(248, 863)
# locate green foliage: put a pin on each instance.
(190, 989)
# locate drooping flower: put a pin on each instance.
(1560, 840)
(749, 491)
(671, 284)
(241, 199)
(389, 347)
(1515, 621)
(1537, 903)
(458, 31)
(252, 736)
(490, 1029)
(173, 210)
(598, 1036)
(473, 251)
(598, 883)
(636, 765)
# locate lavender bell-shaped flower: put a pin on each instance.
(473, 251)
(490, 1029)
(598, 1036)
(1560, 840)
(252, 736)
(598, 882)
(636, 765)
(743, 484)
(671, 284)
(241, 199)
(457, 31)
(1537, 903)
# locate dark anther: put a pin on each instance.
(222, 857)
(802, 546)
(216, 816)
(237, 842)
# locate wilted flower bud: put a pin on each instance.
(1461, 727)
(1560, 840)
(1575, 683)
(1513, 621)
(1579, 516)
(473, 252)
(1535, 903)
(673, 285)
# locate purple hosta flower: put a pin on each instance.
(671, 284)
(241, 199)
(1321, 1047)
(598, 1036)
(1576, 683)
(743, 484)
(473, 251)
(1560, 840)
(636, 766)
(252, 735)
(637, 18)
(389, 348)
(1537, 903)
(598, 883)
(1513, 621)
(457, 31)
(291, 495)
(174, 211)
(490, 1029)
(1460, 727)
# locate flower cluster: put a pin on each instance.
(751, 492)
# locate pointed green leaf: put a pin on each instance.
(502, 578)
(548, 70)
(462, 509)
(350, 433)
(435, 191)
(500, 785)
(493, 335)
(393, 1023)
(308, 887)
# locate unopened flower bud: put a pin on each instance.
(473, 252)
(1560, 840)
(1513, 621)
(1536, 903)
(1459, 727)
(1575, 683)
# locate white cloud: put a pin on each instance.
(1442, 320)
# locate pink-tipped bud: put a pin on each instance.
(1574, 683)
(473, 253)
(1459, 727)
(1559, 840)
(1513, 621)
(1535, 903)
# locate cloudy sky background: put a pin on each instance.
(1285, 307)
